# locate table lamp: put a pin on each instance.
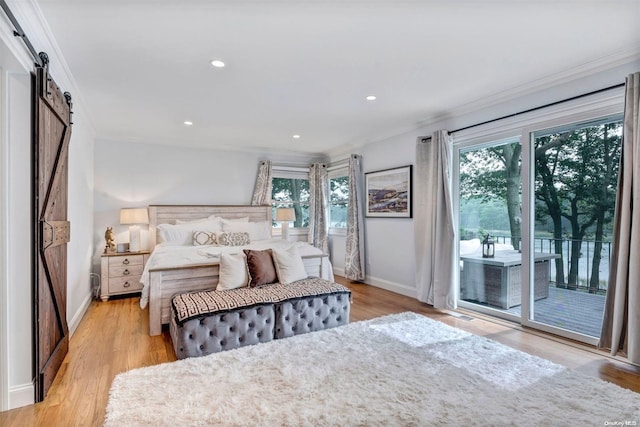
(285, 215)
(133, 217)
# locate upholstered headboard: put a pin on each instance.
(168, 214)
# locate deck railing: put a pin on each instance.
(585, 261)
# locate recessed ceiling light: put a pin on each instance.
(188, 123)
(371, 98)
(217, 63)
(296, 136)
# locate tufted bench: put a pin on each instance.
(211, 321)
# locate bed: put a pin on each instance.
(173, 269)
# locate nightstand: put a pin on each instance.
(120, 273)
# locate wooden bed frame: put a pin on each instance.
(165, 282)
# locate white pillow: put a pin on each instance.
(233, 272)
(182, 234)
(227, 221)
(260, 230)
(289, 265)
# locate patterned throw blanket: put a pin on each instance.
(194, 305)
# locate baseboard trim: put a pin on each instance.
(75, 321)
(21, 395)
(397, 288)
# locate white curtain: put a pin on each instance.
(262, 189)
(433, 222)
(354, 257)
(318, 205)
(621, 323)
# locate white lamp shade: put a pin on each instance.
(134, 216)
(285, 214)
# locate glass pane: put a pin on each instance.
(291, 193)
(490, 225)
(576, 172)
(338, 198)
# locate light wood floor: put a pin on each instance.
(113, 338)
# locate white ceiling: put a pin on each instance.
(305, 67)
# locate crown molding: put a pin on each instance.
(605, 63)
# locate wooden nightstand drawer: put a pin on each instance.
(121, 273)
(125, 270)
(119, 285)
(125, 260)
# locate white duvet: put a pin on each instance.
(167, 256)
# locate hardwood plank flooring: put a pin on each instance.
(113, 338)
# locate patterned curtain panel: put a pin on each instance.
(262, 190)
(354, 258)
(433, 224)
(621, 322)
(318, 206)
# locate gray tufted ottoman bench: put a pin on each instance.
(206, 322)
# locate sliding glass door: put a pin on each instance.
(490, 216)
(575, 172)
(542, 201)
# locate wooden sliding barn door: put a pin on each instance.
(52, 132)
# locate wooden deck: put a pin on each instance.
(567, 309)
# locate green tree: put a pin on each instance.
(494, 173)
(294, 193)
(576, 174)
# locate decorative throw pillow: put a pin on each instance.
(201, 238)
(233, 272)
(233, 239)
(289, 265)
(260, 267)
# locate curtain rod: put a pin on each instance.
(551, 104)
(19, 32)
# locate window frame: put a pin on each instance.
(288, 172)
(337, 172)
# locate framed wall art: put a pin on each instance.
(389, 192)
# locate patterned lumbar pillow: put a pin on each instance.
(204, 238)
(233, 239)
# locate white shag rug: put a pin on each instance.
(402, 369)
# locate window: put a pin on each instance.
(338, 199)
(290, 189)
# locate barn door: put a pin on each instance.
(52, 131)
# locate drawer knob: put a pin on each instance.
(126, 261)
(126, 284)
(126, 272)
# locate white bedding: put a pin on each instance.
(171, 256)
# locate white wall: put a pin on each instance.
(389, 242)
(80, 214)
(20, 313)
(137, 175)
